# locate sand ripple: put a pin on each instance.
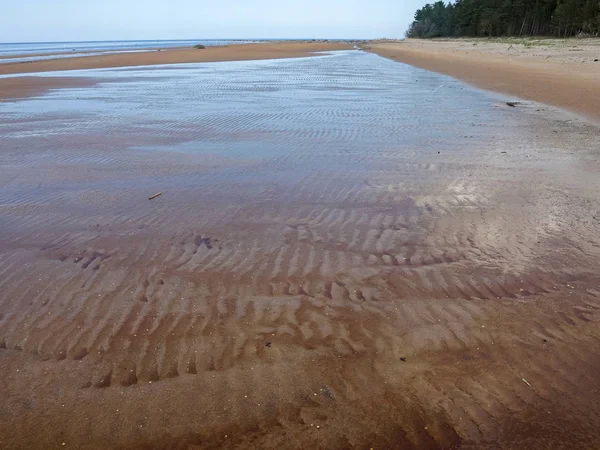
(341, 258)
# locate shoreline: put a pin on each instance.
(556, 72)
(25, 83)
(561, 73)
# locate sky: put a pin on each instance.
(83, 20)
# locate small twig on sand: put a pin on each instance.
(154, 196)
(526, 382)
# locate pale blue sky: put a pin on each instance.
(77, 20)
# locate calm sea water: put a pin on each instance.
(340, 109)
(19, 48)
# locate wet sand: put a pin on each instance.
(347, 253)
(11, 88)
(559, 72)
(26, 86)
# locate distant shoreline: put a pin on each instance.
(559, 72)
(23, 49)
(24, 83)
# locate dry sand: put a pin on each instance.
(564, 73)
(11, 88)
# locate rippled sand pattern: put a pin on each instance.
(347, 253)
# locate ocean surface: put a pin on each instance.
(12, 60)
(18, 48)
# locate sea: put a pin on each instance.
(24, 48)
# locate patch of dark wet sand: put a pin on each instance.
(27, 86)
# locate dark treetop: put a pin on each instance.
(507, 18)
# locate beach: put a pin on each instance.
(11, 88)
(346, 252)
(560, 72)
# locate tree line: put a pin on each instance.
(561, 18)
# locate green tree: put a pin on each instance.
(507, 18)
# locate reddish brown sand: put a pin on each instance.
(557, 72)
(449, 299)
(26, 86)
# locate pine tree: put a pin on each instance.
(507, 18)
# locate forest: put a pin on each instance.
(561, 18)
